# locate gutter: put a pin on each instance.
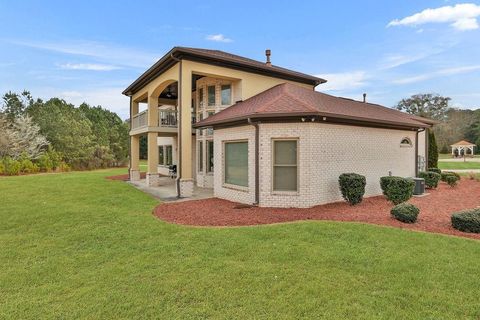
(416, 150)
(257, 160)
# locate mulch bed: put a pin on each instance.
(124, 177)
(435, 211)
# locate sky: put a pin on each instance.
(89, 51)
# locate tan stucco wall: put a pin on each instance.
(325, 152)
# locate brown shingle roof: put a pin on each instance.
(222, 58)
(287, 100)
(463, 143)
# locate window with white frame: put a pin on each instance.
(236, 163)
(285, 165)
(406, 142)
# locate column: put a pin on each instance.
(186, 177)
(152, 179)
(134, 158)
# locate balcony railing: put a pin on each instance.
(139, 120)
(166, 118)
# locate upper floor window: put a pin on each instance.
(200, 98)
(211, 95)
(226, 94)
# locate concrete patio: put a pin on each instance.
(167, 190)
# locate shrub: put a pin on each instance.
(27, 166)
(405, 212)
(451, 180)
(431, 178)
(397, 189)
(445, 174)
(352, 186)
(435, 170)
(467, 220)
(2, 168)
(11, 166)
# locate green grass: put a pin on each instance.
(458, 165)
(76, 245)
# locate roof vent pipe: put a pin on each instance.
(364, 97)
(268, 53)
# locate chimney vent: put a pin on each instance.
(364, 97)
(268, 53)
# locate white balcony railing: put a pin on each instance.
(166, 118)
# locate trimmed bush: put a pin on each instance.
(397, 189)
(431, 178)
(452, 180)
(405, 212)
(435, 170)
(445, 174)
(352, 186)
(467, 220)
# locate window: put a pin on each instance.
(209, 156)
(226, 94)
(406, 142)
(236, 163)
(211, 95)
(209, 131)
(200, 156)
(161, 155)
(285, 165)
(165, 155)
(200, 98)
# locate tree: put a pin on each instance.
(432, 150)
(426, 105)
(21, 138)
(15, 105)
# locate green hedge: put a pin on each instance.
(405, 212)
(439, 171)
(467, 220)
(352, 186)
(431, 178)
(397, 189)
(445, 174)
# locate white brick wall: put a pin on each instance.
(231, 134)
(325, 151)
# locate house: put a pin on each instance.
(260, 134)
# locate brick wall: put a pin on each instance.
(325, 151)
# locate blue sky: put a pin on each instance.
(90, 51)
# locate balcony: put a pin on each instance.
(167, 122)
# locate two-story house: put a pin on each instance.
(260, 134)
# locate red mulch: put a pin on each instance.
(435, 211)
(124, 177)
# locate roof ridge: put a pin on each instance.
(298, 100)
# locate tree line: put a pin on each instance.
(37, 135)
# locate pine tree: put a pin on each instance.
(432, 150)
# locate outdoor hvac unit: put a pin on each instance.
(419, 186)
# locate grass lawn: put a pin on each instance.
(76, 245)
(458, 165)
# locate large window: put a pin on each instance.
(285, 165)
(209, 156)
(200, 98)
(236, 163)
(226, 94)
(200, 156)
(165, 157)
(211, 95)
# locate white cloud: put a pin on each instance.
(461, 16)
(218, 38)
(89, 66)
(441, 72)
(343, 81)
(108, 53)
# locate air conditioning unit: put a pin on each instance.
(419, 186)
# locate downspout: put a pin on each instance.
(257, 160)
(427, 147)
(130, 143)
(416, 150)
(179, 124)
